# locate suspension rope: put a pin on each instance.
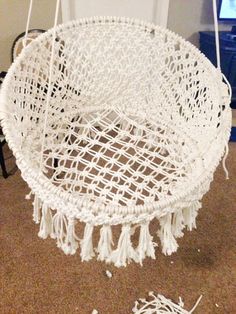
(217, 39)
(218, 62)
(28, 23)
(49, 83)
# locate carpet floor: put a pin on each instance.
(36, 277)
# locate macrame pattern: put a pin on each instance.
(138, 121)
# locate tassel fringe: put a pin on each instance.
(190, 214)
(62, 229)
(71, 241)
(146, 246)
(124, 252)
(36, 209)
(59, 228)
(169, 244)
(178, 224)
(105, 243)
(87, 251)
(46, 222)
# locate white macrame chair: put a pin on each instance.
(114, 121)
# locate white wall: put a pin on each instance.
(188, 17)
(149, 10)
(131, 8)
(13, 14)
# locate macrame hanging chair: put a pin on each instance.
(114, 121)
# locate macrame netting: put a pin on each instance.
(137, 122)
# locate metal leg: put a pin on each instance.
(2, 162)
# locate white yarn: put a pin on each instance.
(59, 228)
(125, 252)
(36, 209)
(105, 243)
(169, 244)
(146, 246)
(87, 251)
(46, 222)
(178, 224)
(224, 162)
(190, 214)
(217, 41)
(49, 90)
(71, 240)
(28, 23)
(161, 305)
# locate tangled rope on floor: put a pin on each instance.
(160, 305)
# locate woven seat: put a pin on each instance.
(138, 121)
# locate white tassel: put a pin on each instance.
(87, 251)
(178, 224)
(169, 244)
(190, 215)
(36, 209)
(124, 252)
(71, 241)
(46, 222)
(105, 243)
(59, 226)
(160, 304)
(146, 246)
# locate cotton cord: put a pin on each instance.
(217, 40)
(218, 61)
(224, 162)
(228, 84)
(28, 23)
(196, 304)
(160, 304)
(49, 83)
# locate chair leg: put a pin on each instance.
(2, 163)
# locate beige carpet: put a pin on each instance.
(36, 277)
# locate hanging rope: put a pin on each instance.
(27, 24)
(218, 62)
(49, 83)
(50, 68)
(217, 39)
